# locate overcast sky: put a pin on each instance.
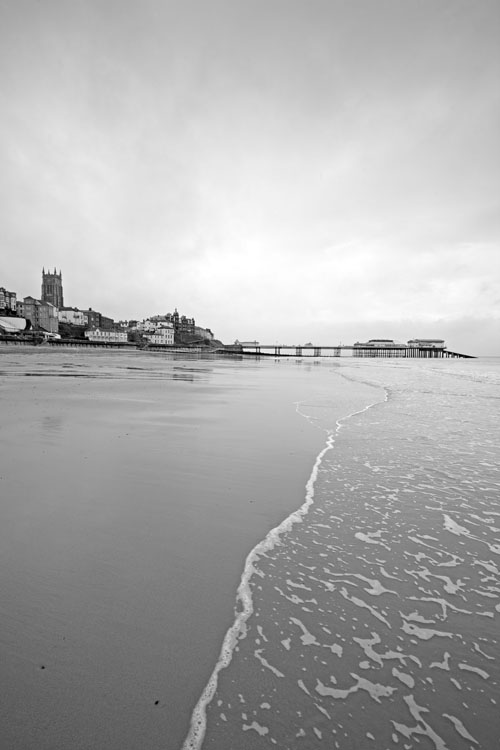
(281, 170)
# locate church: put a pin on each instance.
(52, 289)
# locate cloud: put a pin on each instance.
(286, 165)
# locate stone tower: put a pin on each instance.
(52, 290)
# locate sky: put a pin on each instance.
(280, 170)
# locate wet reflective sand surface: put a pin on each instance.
(132, 489)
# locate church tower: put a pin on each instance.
(52, 290)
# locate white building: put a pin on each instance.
(163, 336)
(108, 337)
(71, 315)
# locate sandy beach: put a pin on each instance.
(133, 487)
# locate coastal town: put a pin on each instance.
(49, 318)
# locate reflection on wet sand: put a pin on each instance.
(132, 488)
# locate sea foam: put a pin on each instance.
(244, 600)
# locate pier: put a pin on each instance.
(309, 350)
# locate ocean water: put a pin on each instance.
(243, 554)
(370, 618)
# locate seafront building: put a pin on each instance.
(42, 315)
(95, 319)
(71, 315)
(8, 302)
(163, 335)
(185, 328)
(171, 328)
(106, 336)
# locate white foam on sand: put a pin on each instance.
(244, 606)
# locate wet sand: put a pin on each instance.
(132, 489)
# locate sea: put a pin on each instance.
(198, 552)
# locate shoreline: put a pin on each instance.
(196, 734)
(377, 619)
